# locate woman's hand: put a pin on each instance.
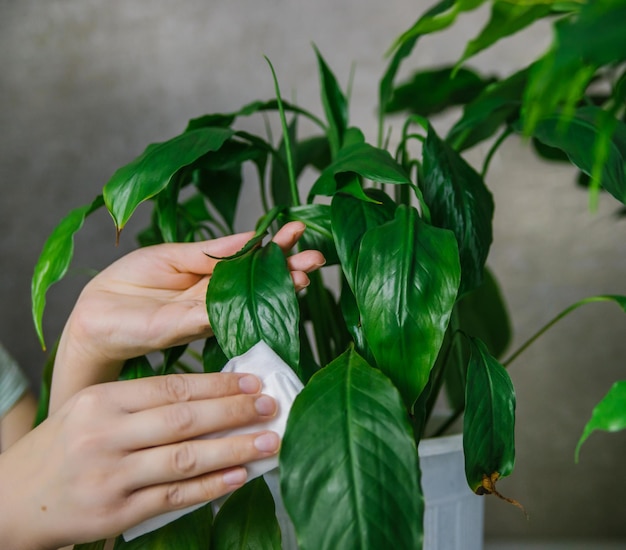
(151, 299)
(116, 454)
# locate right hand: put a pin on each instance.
(118, 453)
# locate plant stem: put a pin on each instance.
(505, 134)
(283, 121)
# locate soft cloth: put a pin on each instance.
(280, 382)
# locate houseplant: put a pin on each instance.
(211, 151)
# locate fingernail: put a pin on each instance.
(267, 442)
(265, 405)
(235, 477)
(249, 384)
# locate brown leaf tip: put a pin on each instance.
(488, 487)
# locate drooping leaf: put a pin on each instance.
(55, 259)
(594, 141)
(189, 532)
(348, 463)
(489, 421)
(407, 280)
(351, 218)
(318, 234)
(459, 201)
(431, 91)
(608, 415)
(251, 298)
(506, 19)
(581, 45)
(247, 520)
(334, 103)
(363, 159)
(497, 105)
(151, 172)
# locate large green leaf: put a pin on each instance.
(189, 532)
(407, 280)
(608, 415)
(251, 298)
(152, 171)
(247, 520)
(489, 421)
(348, 463)
(459, 201)
(582, 44)
(431, 91)
(55, 259)
(334, 102)
(363, 159)
(351, 218)
(593, 140)
(496, 106)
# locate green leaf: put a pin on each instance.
(608, 415)
(213, 358)
(459, 201)
(506, 19)
(581, 45)
(334, 102)
(363, 159)
(431, 91)
(407, 280)
(152, 171)
(318, 234)
(351, 218)
(43, 403)
(489, 421)
(55, 259)
(247, 520)
(98, 545)
(281, 189)
(137, 367)
(594, 141)
(251, 298)
(499, 104)
(189, 532)
(348, 463)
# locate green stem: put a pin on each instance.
(283, 121)
(505, 134)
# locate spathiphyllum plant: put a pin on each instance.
(408, 228)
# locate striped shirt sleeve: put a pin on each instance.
(13, 383)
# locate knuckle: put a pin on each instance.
(184, 459)
(180, 417)
(175, 495)
(176, 388)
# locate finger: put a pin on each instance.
(307, 261)
(300, 280)
(196, 457)
(148, 393)
(288, 235)
(182, 421)
(157, 499)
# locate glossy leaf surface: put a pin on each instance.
(351, 218)
(189, 532)
(407, 280)
(362, 159)
(459, 201)
(318, 234)
(55, 259)
(349, 465)
(489, 421)
(251, 298)
(152, 171)
(608, 415)
(247, 521)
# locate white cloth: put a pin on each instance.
(280, 382)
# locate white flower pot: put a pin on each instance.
(454, 515)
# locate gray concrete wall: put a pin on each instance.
(85, 85)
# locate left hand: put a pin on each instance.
(151, 299)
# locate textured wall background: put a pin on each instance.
(85, 85)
